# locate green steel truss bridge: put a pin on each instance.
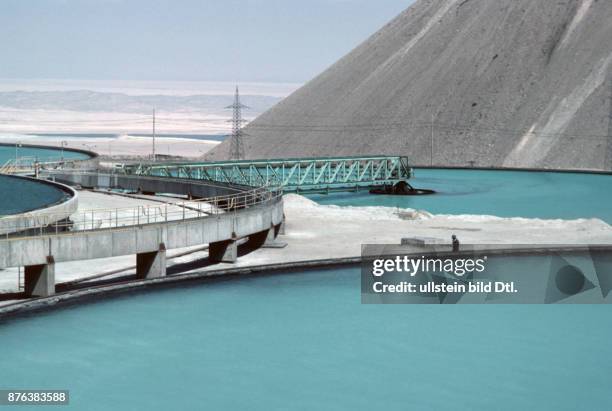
(298, 175)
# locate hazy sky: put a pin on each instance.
(219, 40)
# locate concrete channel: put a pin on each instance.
(227, 214)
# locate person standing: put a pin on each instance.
(455, 241)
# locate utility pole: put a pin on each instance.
(153, 156)
(236, 144)
(431, 146)
(608, 158)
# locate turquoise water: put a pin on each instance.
(500, 193)
(7, 152)
(18, 195)
(304, 341)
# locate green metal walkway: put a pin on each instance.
(299, 174)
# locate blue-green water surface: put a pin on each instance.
(304, 341)
(499, 193)
(18, 195)
(9, 152)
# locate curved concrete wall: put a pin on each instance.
(144, 238)
(84, 164)
(181, 186)
(141, 239)
(42, 216)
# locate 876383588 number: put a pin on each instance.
(34, 397)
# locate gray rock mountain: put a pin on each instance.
(516, 83)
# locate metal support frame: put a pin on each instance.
(301, 174)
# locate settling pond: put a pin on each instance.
(305, 341)
(10, 151)
(20, 195)
(499, 193)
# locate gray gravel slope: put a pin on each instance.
(517, 83)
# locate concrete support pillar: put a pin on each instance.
(266, 239)
(281, 227)
(270, 236)
(223, 251)
(40, 279)
(271, 240)
(153, 264)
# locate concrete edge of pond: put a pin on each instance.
(96, 293)
(528, 169)
(90, 154)
(91, 293)
(91, 162)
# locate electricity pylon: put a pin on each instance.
(236, 144)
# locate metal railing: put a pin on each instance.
(30, 164)
(109, 219)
